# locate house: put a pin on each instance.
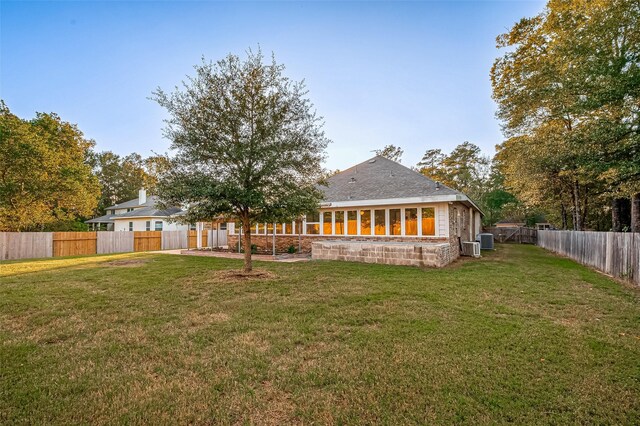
(379, 201)
(510, 223)
(139, 214)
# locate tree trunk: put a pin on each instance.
(620, 215)
(577, 222)
(564, 216)
(635, 212)
(246, 225)
(616, 221)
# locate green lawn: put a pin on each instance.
(519, 336)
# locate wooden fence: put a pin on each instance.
(518, 234)
(614, 253)
(32, 245)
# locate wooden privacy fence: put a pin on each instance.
(614, 253)
(518, 234)
(74, 243)
(32, 245)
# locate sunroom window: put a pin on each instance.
(365, 222)
(428, 221)
(411, 221)
(313, 223)
(395, 222)
(326, 223)
(380, 221)
(339, 219)
(352, 222)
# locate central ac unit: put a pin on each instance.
(470, 248)
(486, 241)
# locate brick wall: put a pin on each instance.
(418, 254)
(264, 243)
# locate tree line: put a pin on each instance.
(52, 179)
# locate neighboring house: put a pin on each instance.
(140, 214)
(541, 224)
(377, 200)
(510, 223)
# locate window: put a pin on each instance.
(158, 225)
(222, 226)
(365, 222)
(129, 210)
(352, 222)
(269, 228)
(313, 223)
(380, 221)
(147, 226)
(278, 228)
(261, 228)
(395, 222)
(288, 228)
(130, 226)
(428, 221)
(326, 223)
(192, 227)
(411, 221)
(339, 219)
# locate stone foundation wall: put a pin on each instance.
(417, 254)
(264, 243)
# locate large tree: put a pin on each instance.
(568, 95)
(248, 144)
(45, 178)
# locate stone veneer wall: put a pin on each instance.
(418, 254)
(264, 243)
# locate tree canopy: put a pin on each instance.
(120, 178)
(248, 144)
(391, 152)
(45, 177)
(568, 91)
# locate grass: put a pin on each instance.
(520, 336)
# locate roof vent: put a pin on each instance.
(372, 161)
(352, 180)
(437, 186)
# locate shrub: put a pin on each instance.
(292, 249)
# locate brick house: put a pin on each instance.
(378, 200)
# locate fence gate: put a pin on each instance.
(147, 240)
(514, 235)
(74, 243)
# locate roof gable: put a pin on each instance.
(381, 178)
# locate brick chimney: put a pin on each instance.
(142, 196)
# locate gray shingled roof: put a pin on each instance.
(149, 212)
(102, 219)
(380, 178)
(151, 201)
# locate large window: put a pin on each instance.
(395, 222)
(288, 228)
(278, 228)
(269, 228)
(411, 221)
(339, 223)
(352, 222)
(326, 223)
(428, 221)
(261, 228)
(380, 222)
(365, 222)
(313, 223)
(158, 225)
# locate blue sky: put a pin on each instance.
(413, 74)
